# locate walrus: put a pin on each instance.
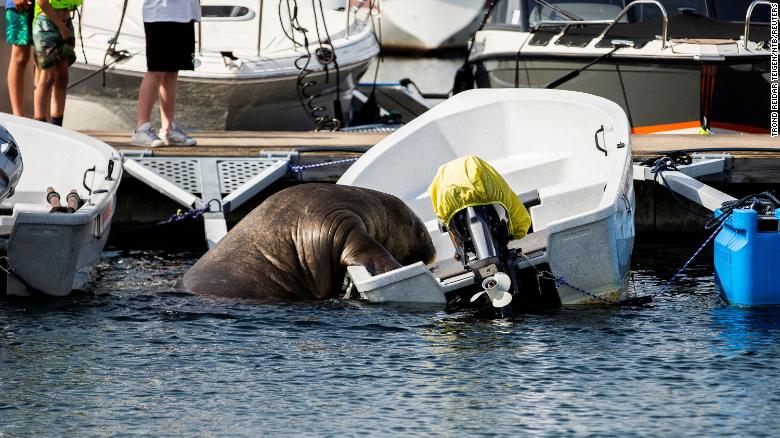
(298, 243)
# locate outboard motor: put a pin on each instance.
(481, 237)
(482, 215)
(10, 164)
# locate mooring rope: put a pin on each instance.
(561, 281)
(11, 272)
(667, 163)
(298, 169)
(668, 284)
(715, 223)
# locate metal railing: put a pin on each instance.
(260, 26)
(614, 21)
(625, 10)
(541, 23)
(749, 16)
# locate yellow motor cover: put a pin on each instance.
(469, 181)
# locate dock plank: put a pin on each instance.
(217, 143)
(735, 143)
(250, 142)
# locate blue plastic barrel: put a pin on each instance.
(747, 259)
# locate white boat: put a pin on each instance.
(249, 74)
(674, 66)
(424, 25)
(571, 148)
(54, 253)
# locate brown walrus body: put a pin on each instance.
(298, 243)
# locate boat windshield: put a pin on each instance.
(527, 13)
(736, 10)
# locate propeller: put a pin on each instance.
(497, 289)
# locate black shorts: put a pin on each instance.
(170, 46)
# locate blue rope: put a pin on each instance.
(300, 168)
(179, 217)
(669, 282)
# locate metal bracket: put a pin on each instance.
(683, 181)
(702, 165)
(195, 182)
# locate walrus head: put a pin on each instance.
(422, 249)
(407, 239)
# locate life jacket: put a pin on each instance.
(60, 4)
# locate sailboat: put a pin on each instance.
(259, 65)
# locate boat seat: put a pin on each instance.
(567, 199)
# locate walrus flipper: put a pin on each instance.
(361, 249)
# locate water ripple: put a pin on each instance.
(134, 356)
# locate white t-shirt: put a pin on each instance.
(179, 11)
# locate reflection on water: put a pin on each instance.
(135, 357)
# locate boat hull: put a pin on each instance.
(427, 25)
(55, 253)
(657, 96)
(270, 103)
(607, 244)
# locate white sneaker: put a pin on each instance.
(174, 136)
(146, 136)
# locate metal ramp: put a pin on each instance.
(214, 185)
(683, 180)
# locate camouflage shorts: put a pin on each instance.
(18, 27)
(50, 48)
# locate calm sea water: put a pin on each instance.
(132, 356)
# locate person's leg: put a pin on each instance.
(144, 134)
(180, 48)
(52, 197)
(59, 92)
(43, 93)
(147, 96)
(36, 78)
(20, 56)
(73, 199)
(171, 133)
(45, 39)
(168, 99)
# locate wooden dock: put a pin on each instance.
(756, 158)
(755, 167)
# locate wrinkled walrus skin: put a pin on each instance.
(298, 243)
